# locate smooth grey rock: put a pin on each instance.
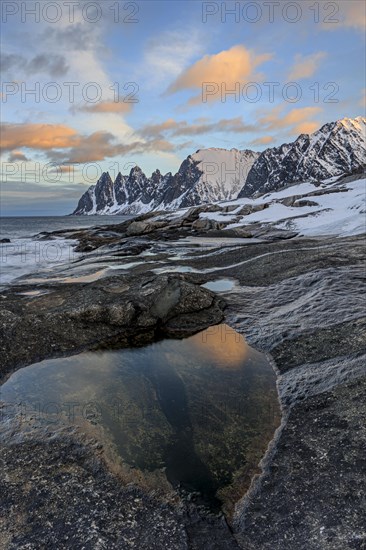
(128, 310)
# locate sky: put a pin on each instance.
(89, 87)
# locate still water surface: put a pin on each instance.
(202, 409)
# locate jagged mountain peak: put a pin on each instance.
(135, 170)
(335, 149)
(359, 120)
(105, 177)
(156, 176)
(215, 174)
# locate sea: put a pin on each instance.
(26, 254)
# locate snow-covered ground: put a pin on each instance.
(339, 213)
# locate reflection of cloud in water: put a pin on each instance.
(203, 408)
(80, 378)
(223, 345)
(88, 278)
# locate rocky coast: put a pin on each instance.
(299, 299)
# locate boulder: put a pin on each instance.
(289, 201)
(205, 224)
(202, 224)
(229, 208)
(140, 228)
(243, 233)
(251, 208)
(125, 310)
(305, 202)
(192, 215)
(297, 200)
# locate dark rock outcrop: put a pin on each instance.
(119, 311)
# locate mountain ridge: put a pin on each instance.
(336, 149)
(217, 174)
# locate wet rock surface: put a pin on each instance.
(300, 300)
(121, 311)
(71, 501)
(58, 492)
(311, 494)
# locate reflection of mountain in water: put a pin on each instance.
(183, 465)
(203, 408)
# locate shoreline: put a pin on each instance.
(296, 299)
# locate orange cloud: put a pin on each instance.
(307, 127)
(264, 140)
(17, 156)
(62, 169)
(355, 14)
(351, 13)
(299, 115)
(229, 67)
(275, 119)
(37, 136)
(306, 66)
(101, 145)
(64, 145)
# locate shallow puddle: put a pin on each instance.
(129, 265)
(220, 285)
(220, 241)
(33, 293)
(175, 269)
(87, 278)
(200, 410)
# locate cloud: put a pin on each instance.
(351, 14)
(307, 127)
(235, 125)
(154, 130)
(264, 140)
(63, 144)
(64, 169)
(306, 66)
(198, 127)
(10, 61)
(84, 46)
(297, 119)
(77, 36)
(228, 66)
(51, 64)
(167, 55)
(103, 107)
(54, 65)
(102, 145)
(17, 156)
(37, 136)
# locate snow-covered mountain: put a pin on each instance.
(212, 175)
(336, 149)
(209, 175)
